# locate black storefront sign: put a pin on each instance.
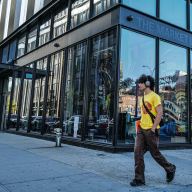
(155, 27)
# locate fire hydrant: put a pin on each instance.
(58, 136)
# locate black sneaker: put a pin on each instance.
(136, 183)
(171, 175)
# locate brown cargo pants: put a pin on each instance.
(148, 140)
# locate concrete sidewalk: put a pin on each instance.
(33, 165)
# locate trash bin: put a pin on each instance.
(58, 133)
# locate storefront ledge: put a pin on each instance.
(175, 146)
(67, 140)
(99, 146)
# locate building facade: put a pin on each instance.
(74, 64)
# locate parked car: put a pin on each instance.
(13, 121)
(51, 123)
(102, 125)
(24, 122)
(36, 123)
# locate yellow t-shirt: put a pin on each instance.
(151, 100)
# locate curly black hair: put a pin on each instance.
(143, 78)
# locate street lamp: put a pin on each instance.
(151, 70)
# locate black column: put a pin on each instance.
(45, 95)
(69, 15)
(188, 13)
(116, 88)
(91, 9)
(63, 82)
(32, 97)
(157, 66)
(52, 25)
(20, 100)
(189, 103)
(158, 8)
(86, 100)
(11, 99)
(30, 8)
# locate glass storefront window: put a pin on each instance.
(79, 12)
(146, 6)
(44, 34)
(21, 46)
(74, 94)
(100, 6)
(15, 102)
(177, 15)
(6, 104)
(38, 100)
(54, 92)
(5, 53)
(12, 50)
(31, 43)
(26, 96)
(60, 23)
(101, 85)
(173, 91)
(137, 57)
(74, 91)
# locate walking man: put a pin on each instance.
(148, 133)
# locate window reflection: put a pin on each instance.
(102, 5)
(147, 6)
(5, 109)
(173, 90)
(177, 15)
(15, 102)
(38, 100)
(44, 34)
(60, 23)
(38, 5)
(31, 43)
(12, 50)
(79, 12)
(21, 46)
(53, 98)
(137, 57)
(73, 101)
(5, 54)
(101, 87)
(26, 96)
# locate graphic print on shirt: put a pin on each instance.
(148, 105)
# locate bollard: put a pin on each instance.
(58, 134)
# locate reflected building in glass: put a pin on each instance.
(74, 64)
